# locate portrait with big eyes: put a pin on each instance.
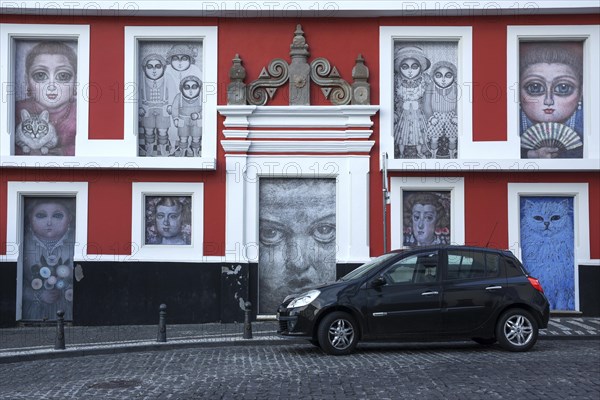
(551, 86)
(45, 76)
(426, 92)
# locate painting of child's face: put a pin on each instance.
(549, 92)
(154, 69)
(180, 62)
(51, 80)
(168, 220)
(410, 68)
(190, 89)
(50, 221)
(443, 77)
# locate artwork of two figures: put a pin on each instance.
(425, 100)
(170, 99)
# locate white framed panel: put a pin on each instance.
(9, 34)
(164, 252)
(388, 37)
(456, 187)
(134, 35)
(16, 193)
(581, 218)
(590, 36)
(352, 211)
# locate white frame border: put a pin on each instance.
(128, 147)
(16, 192)
(10, 32)
(455, 185)
(388, 35)
(174, 253)
(590, 34)
(581, 218)
(352, 200)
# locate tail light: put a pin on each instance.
(536, 284)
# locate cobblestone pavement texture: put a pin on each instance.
(30, 343)
(554, 369)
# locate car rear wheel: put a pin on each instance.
(517, 330)
(338, 333)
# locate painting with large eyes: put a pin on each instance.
(170, 99)
(548, 246)
(425, 99)
(550, 90)
(45, 94)
(297, 237)
(168, 220)
(48, 249)
(426, 218)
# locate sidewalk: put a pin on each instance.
(31, 343)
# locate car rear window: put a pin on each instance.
(472, 264)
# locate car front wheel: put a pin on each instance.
(338, 333)
(517, 330)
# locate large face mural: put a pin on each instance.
(297, 234)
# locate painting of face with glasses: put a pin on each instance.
(170, 99)
(426, 90)
(551, 97)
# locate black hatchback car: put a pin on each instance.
(429, 293)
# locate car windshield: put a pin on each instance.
(368, 266)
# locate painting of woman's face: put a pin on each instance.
(549, 92)
(424, 219)
(49, 221)
(410, 68)
(51, 80)
(168, 220)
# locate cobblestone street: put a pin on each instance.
(554, 369)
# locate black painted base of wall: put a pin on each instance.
(112, 293)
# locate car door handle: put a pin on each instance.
(493, 287)
(431, 293)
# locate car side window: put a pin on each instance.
(469, 264)
(418, 268)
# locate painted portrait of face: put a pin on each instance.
(551, 99)
(50, 220)
(168, 220)
(410, 68)
(443, 77)
(180, 62)
(154, 69)
(191, 88)
(426, 218)
(297, 235)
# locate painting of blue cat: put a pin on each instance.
(548, 247)
(35, 132)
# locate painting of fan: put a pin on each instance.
(550, 134)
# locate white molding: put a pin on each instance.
(352, 198)
(11, 32)
(590, 34)
(388, 36)
(456, 186)
(581, 217)
(296, 9)
(176, 253)
(16, 191)
(336, 129)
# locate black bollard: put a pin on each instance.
(247, 323)
(59, 343)
(162, 324)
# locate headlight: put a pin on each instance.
(304, 299)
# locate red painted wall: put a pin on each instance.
(258, 41)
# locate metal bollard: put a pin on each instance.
(162, 324)
(59, 342)
(247, 323)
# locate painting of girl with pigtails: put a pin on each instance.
(425, 100)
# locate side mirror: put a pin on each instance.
(379, 281)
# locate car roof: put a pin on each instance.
(453, 247)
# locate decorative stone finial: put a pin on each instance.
(236, 90)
